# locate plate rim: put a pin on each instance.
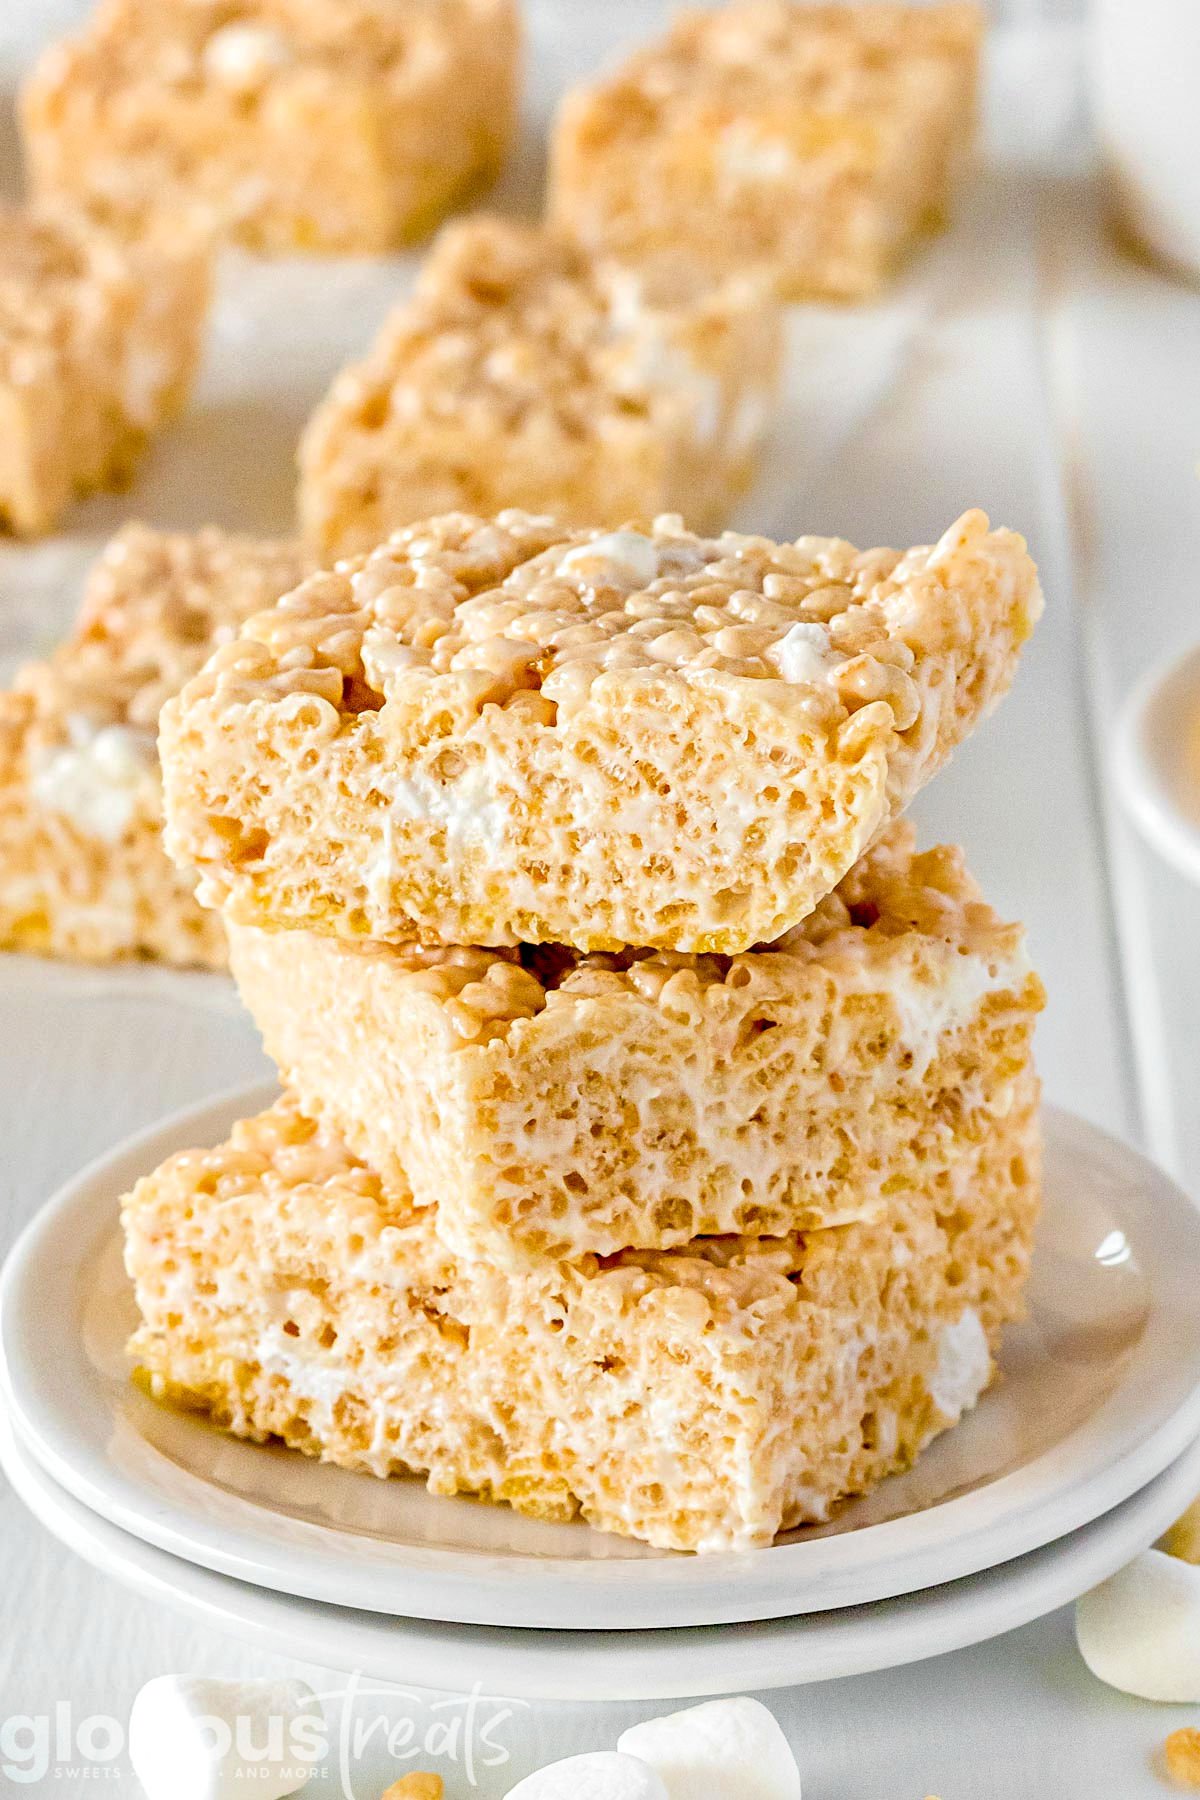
(500, 1589)
(610, 1666)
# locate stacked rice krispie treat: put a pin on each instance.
(525, 373)
(99, 342)
(83, 873)
(287, 125)
(818, 141)
(628, 1165)
(500, 732)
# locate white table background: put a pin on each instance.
(1023, 365)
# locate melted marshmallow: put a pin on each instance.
(628, 555)
(748, 157)
(803, 654)
(244, 56)
(928, 1010)
(99, 779)
(963, 1366)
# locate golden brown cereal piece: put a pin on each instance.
(99, 341)
(1183, 1539)
(1181, 1757)
(83, 873)
(418, 1785)
(815, 141)
(493, 732)
(551, 1104)
(702, 1398)
(521, 373)
(285, 124)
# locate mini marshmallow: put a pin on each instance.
(723, 1750)
(600, 1775)
(1140, 1630)
(195, 1738)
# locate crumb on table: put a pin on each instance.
(418, 1785)
(1183, 1539)
(1181, 1757)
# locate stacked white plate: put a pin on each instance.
(1079, 1457)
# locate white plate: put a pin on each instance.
(1102, 1391)
(1157, 760)
(613, 1665)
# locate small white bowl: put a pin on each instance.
(1157, 760)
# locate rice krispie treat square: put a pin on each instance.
(702, 1398)
(549, 1104)
(83, 872)
(99, 341)
(496, 732)
(342, 126)
(522, 373)
(818, 141)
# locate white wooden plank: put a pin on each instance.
(1125, 350)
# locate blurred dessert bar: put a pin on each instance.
(83, 872)
(700, 1398)
(549, 1104)
(288, 125)
(523, 374)
(816, 140)
(99, 341)
(491, 732)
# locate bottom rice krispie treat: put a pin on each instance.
(702, 1398)
(83, 872)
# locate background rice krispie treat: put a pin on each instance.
(324, 125)
(492, 732)
(99, 341)
(521, 373)
(550, 1104)
(83, 872)
(700, 1398)
(816, 140)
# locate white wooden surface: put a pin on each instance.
(1023, 366)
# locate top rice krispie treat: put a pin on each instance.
(493, 732)
(324, 125)
(523, 373)
(99, 341)
(83, 872)
(817, 140)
